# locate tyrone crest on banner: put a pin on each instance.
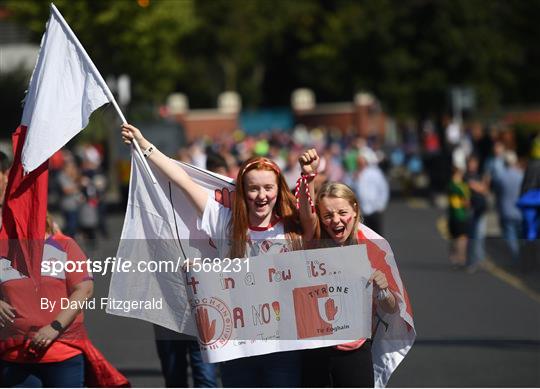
(214, 322)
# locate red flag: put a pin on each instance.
(24, 213)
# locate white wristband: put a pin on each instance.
(383, 294)
(148, 151)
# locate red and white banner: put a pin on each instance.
(281, 302)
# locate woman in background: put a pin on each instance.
(49, 347)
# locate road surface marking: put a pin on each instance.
(492, 268)
(417, 203)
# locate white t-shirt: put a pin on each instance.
(215, 222)
(372, 190)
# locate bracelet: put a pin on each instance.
(304, 179)
(308, 177)
(146, 153)
(383, 294)
(57, 326)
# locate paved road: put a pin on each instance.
(127, 343)
(473, 330)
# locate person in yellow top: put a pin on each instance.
(458, 217)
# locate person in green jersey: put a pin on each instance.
(458, 217)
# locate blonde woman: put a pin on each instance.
(337, 218)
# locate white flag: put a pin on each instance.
(64, 90)
(160, 230)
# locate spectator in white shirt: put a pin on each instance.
(372, 191)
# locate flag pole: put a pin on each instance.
(103, 85)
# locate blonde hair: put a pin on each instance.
(49, 225)
(341, 191)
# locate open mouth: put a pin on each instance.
(261, 204)
(338, 231)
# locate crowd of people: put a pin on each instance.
(487, 175)
(77, 187)
(347, 180)
(477, 167)
(351, 159)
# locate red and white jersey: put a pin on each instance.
(26, 295)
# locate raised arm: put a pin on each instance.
(309, 162)
(169, 168)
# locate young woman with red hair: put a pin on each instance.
(263, 219)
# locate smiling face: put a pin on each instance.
(337, 218)
(261, 188)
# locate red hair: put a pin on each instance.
(285, 208)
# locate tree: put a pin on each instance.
(234, 45)
(407, 53)
(123, 37)
(12, 85)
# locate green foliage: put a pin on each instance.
(12, 85)
(123, 37)
(408, 53)
(524, 134)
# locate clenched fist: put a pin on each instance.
(379, 280)
(309, 161)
